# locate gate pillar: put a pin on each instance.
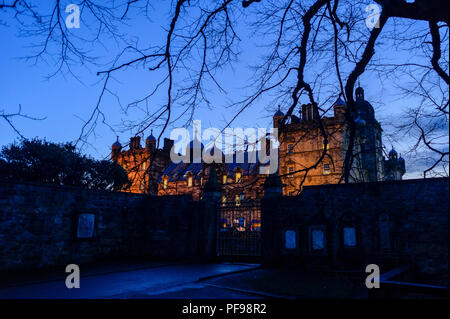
(209, 226)
(273, 190)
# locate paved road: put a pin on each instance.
(169, 281)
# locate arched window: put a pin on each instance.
(165, 179)
(190, 181)
(224, 179)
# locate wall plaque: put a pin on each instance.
(318, 239)
(290, 239)
(349, 237)
(86, 223)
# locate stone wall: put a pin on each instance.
(38, 226)
(395, 223)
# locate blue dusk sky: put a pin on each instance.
(66, 101)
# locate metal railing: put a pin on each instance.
(240, 229)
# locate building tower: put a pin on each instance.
(394, 166)
(194, 151)
(150, 142)
(116, 149)
(368, 156)
(278, 118)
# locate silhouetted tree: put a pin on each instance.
(41, 161)
(315, 50)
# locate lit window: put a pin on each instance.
(224, 179)
(255, 225)
(144, 166)
(189, 181)
(224, 200)
(326, 169)
(349, 236)
(291, 171)
(238, 200)
(325, 146)
(223, 223)
(165, 182)
(201, 180)
(317, 239)
(238, 177)
(290, 148)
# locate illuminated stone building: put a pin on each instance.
(144, 165)
(302, 144)
(300, 149)
(239, 181)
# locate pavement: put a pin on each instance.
(153, 280)
(148, 280)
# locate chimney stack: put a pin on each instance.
(168, 144)
(135, 143)
(307, 112)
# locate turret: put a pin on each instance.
(194, 151)
(339, 109)
(278, 118)
(359, 92)
(367, 140)
(150, 142)
(115, 149)
(394, 166)
(393, 154)
(135, 143)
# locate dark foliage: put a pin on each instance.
(41, 161)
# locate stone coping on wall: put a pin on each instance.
(83, 189)
(381, 183)
(68, 187)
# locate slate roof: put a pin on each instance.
(177, 172)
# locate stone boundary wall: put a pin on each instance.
(38, 226)
(396, 223)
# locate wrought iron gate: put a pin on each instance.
(240, 230)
